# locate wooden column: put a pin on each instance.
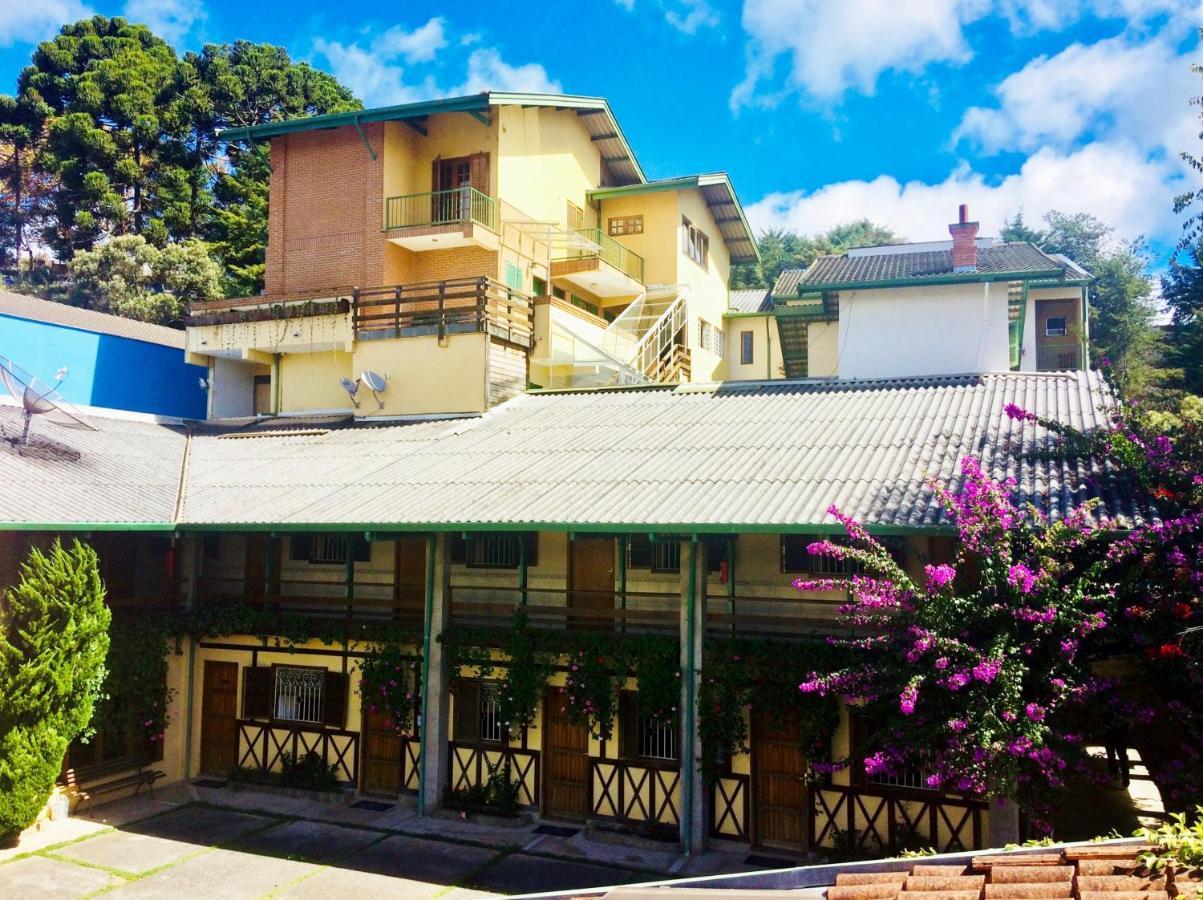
(436, 680)
(693, 625)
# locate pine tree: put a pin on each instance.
(53, 641)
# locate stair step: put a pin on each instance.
(1018, 859)
(1106, 866)
(927, 870)
(943, 895)
(1122, 895)
(1030, 874)
(850, 878)
(1029, 890)
(1105, 851)
(1096, 883)
(880, 891)
(972, 883)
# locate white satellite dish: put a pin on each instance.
(374, 382)
(38, 399)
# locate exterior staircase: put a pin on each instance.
(793, 336)
(644, 336)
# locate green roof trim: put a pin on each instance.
(475, 104)
(687, 182)
(921, 281)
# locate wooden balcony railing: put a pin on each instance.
(270, 307)
(456, 306)
(642, 794)
(457, 206)
(470, 765)
(892, 819)
(488, 607)
(263, 745)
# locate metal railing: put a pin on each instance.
(596, 243)
(456, 306)
(457, 206)
(1055, 357)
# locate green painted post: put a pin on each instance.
(425, 693)
(731, 581)
(690, 675)
(622, 576)
(522, 569)
(349, 574)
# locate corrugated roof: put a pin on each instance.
(127, 471)
(38, 310)
(859, 270)
(595, 112)
(758, 300)
(768, 455)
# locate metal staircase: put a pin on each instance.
(792, 333)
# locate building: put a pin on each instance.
(110, 361)
(491, 392)
(503, 239)
(885, 312)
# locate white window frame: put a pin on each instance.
(298, 694)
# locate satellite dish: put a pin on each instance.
(39, 399)
(375, 383)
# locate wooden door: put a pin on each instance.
(778, 772)
(565, 761)
(591, 583)
(409, 588)
(219, 717)
(382, 751)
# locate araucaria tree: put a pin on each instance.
(53, 641)
(972, 672)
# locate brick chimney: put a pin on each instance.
(964, 242)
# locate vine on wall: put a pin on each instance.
(135, 684)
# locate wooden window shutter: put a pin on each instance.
(639, 552)
(467, 710)
(628, 723)
(258, 683)
(478, 171)
(531, 538)
(434, 174)
(458, 549)
(300, 547)
(334, 700)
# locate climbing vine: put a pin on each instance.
(135, 691)
(388, 685)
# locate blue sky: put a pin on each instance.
(822, 110)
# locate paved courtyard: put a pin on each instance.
(198, 842)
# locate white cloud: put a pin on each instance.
(684, 15)
(1118, 87)
(487, 71)
(420, 45)
(171, 20)
(1118, 182)
(30, 21)
(1029, 16)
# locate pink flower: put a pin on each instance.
(1022, 578)
(987, 670)
(938, 576)
(1034, 711)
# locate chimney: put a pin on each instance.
(964, 242)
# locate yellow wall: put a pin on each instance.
(460, 372)
(272, 336)
(822, 349)
(707, 285)
(660, 242)
(409, 156)
(546, 159)
(766, 349)
(311, 381)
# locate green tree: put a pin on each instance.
(130, 277)
(1182, 291)
(1122, 312)
(23, 188)
(781, 249)
(53, 641)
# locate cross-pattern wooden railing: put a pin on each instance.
(729, 807)
(471, 764)
(455, 306)
(892, 820)
(262, 746)
(635, 793)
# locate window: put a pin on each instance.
(491, 727)
(697, 245)
(582, 303)
(575, 218)
(539, 287)
(710, 337)
(796, 558)
(621, 225)
(328, 549)
(494, 551)
(659, 556)
(643, 735)
(913, 778)
(298, 694)
(746, 345)
(513, 276)
(477, 713)
(1054, 326)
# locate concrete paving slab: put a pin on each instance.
(522, 874)
(361, 886)
(221, 874)
(474, 832)
(131, 809)
(634, 856)
(36, 877)
(349, 815)
(310, 841)
(46, 834)
(200, 825)
(252, 800)
(435, 862)
(128, 851)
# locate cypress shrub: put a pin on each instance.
(53, 641)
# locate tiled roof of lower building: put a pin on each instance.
(22, 306)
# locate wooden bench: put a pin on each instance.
(137, 779)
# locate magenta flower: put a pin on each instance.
(939, 576)
(1021, 577)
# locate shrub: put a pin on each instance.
(53, 640)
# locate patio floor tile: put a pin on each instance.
(36, 877)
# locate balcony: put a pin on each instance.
(593, 261)
(276, 323)
(1058, 357)
(442, 220)
(457, 306)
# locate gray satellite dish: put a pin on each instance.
(38, 399)
(375, 383)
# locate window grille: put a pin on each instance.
(914, 778)
(329, 549)
(666, 556)
(495, 551)
(298, 695)
(491, 726)
(657, 739)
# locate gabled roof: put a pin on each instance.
(35, 309)
(757, 300)
(594, 112)
(896, 266)
(720, 197)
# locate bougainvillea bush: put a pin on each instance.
(1156, 570)
(973, 672)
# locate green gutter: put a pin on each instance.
(556, 527)
(88, 526)
(430, 561)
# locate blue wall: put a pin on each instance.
(108, 371)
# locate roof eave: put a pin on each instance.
(958, 278)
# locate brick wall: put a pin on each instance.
(325, 211)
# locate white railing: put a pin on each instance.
(299, 694)
(658, 325)
(587, 364)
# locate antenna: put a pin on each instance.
(375, 383)
(38, 399)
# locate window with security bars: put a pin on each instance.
(644, 736)
(659, 556)
(328, 549)
(491, 726)
(913, 778)
(797, 558)
(298, 694)
(494, 551)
